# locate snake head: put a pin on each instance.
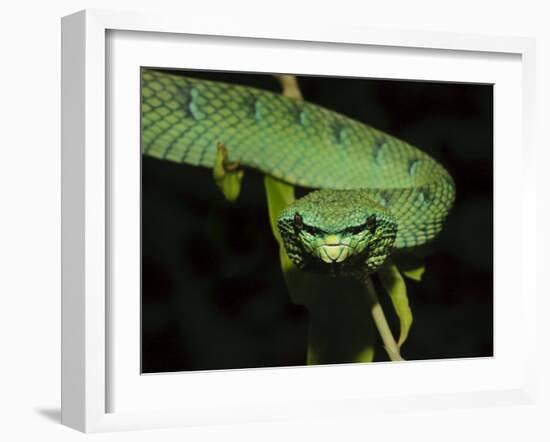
(337, 232)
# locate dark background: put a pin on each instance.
(213, 295)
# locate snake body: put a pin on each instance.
(376, 193)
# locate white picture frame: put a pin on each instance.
(87, 202)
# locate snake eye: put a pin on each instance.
(371, 223)
(298, 221)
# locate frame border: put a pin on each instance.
(85, 203)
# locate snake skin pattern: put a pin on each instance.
(183, 119)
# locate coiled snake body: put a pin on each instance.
(376, 193)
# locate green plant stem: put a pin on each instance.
(381, 323)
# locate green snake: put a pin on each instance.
(374, 194)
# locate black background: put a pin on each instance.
(213, 295)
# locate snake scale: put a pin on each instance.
(373, 192)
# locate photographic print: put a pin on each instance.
(303, 220)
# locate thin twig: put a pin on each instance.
(290, 86)
(390, 345)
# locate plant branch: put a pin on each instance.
(390, 345)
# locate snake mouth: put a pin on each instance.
(334, 253)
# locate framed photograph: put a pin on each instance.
(265, 224)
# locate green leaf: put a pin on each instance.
(411, 266)
(414, 274)
(367, 355)
(394, 284)
(279, 195)
(228, 176)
